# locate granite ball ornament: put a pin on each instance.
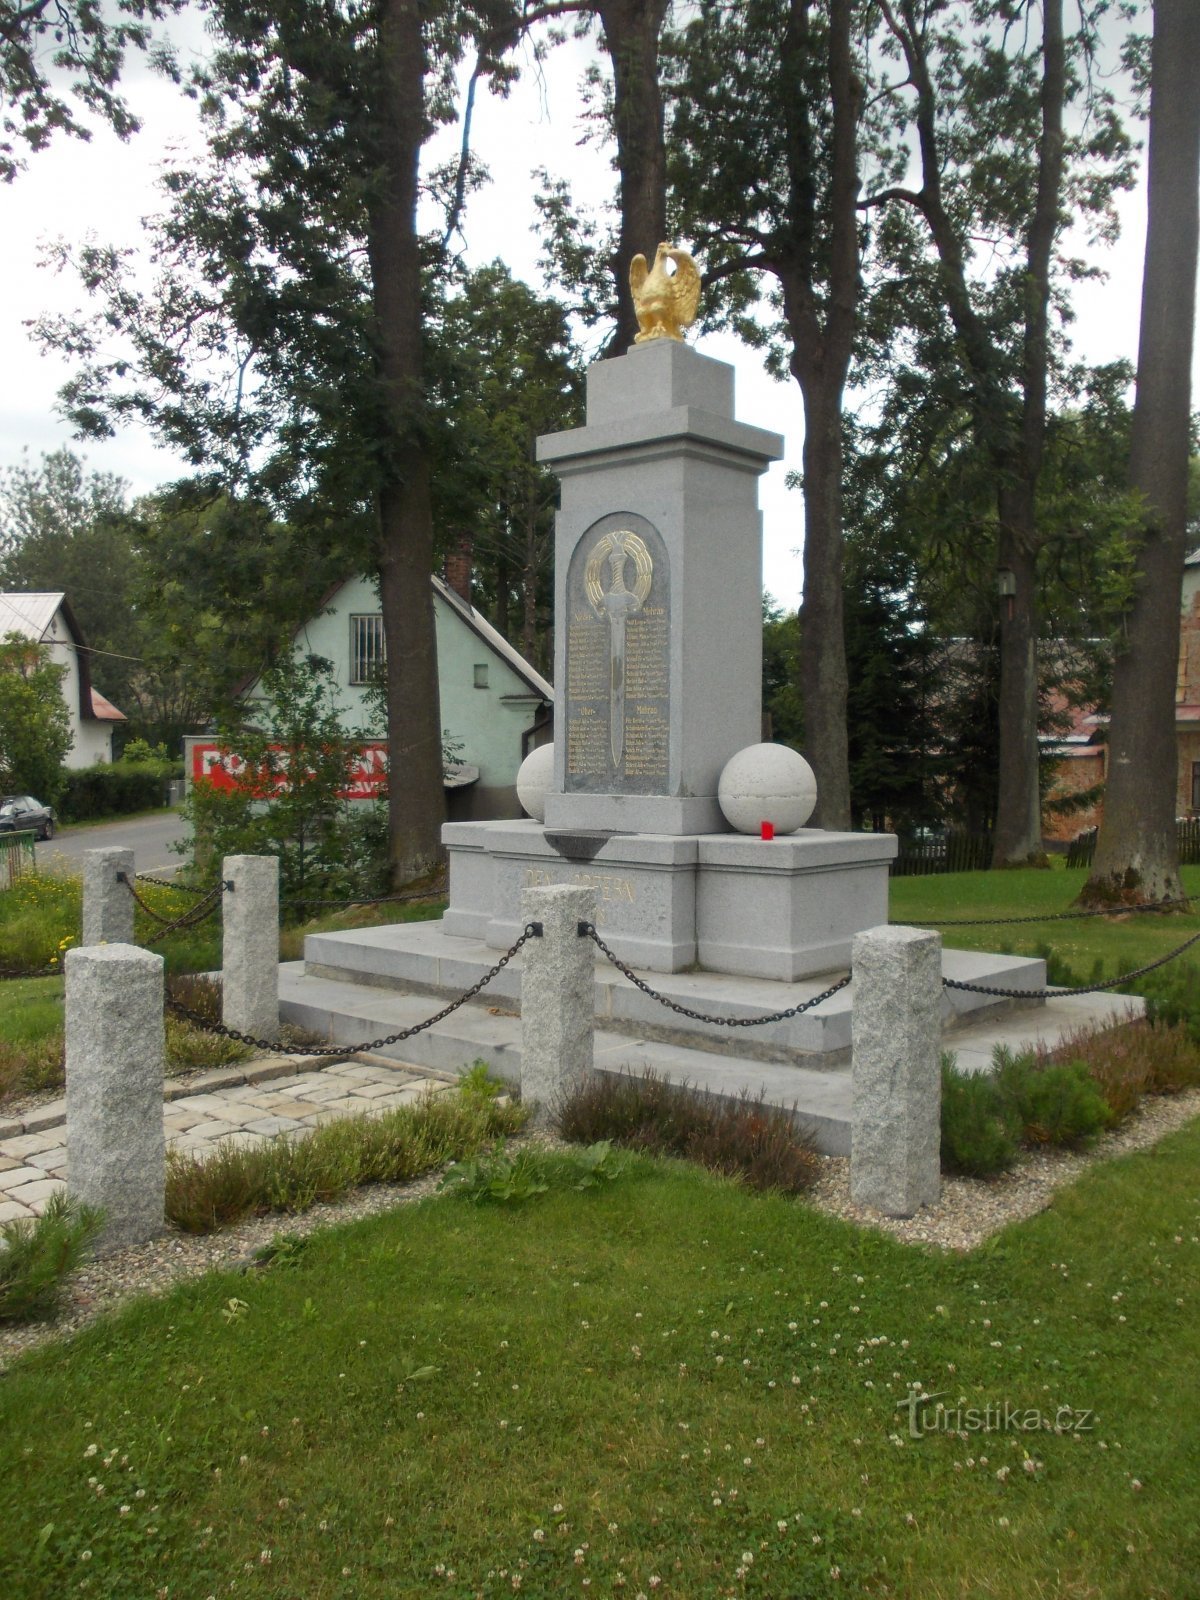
(535, 779)
(767, 783)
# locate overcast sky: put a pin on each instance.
(105, 188)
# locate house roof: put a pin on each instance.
(31, 616)
(104, 710)
(475, 620)
(493, 639)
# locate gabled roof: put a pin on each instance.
(104, 710)
(31, 615)
(493, 639)
(475, 620)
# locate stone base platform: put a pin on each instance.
(815, 1087)
(782, 909)
(423, 959)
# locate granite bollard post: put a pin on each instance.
(250, 945)
(896, 1090)
(116, 1151)
(107, 902)
(556, 994)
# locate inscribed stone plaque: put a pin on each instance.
(618, 659)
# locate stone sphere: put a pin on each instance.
(535, 778)
(767, 783)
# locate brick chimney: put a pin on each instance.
(458, 566)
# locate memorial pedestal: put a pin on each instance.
(784, 908)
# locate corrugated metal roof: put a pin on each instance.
(30, 615)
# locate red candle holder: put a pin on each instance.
(768, 830)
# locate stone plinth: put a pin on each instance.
(658, 645)
(784, 908)
(250, 946)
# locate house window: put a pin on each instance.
(1196, 787)
(481, 675)
(367, 651)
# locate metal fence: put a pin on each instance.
(16, 857)
(1082, 850)
(949, 852)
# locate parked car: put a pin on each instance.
(21, 811)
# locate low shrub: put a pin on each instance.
(511, 1180)
(743, 1138)
(31, 1066)
(291, 1175)
(36, 1255)
(1051, 1102)
(1126, 1060)
(1172, 996)
(118, 788)
(979, 1130)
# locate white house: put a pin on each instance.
(47, 619)
(494, 706)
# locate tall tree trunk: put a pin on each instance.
(824, 680)
(416, 800)
(1018, 831)
(631, 32)
(1137, 858)
(822, 339)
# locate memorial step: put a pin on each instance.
(419, 957)
(818, 1094)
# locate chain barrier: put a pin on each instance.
(1090, 988)
(533, 930)
(209, 895)
(169, 883)
(587, 930)
(1049, 916)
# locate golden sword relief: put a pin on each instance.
(614, 603)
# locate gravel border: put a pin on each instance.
(969, 1211)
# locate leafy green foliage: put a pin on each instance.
(291, 771)
(501, 1179)
(1172, 997)
(37, 1255)
(743, 1138)
(35, 729)
(118, 788)
(61, 57)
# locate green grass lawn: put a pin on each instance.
(667, 1386)
(1118, 943)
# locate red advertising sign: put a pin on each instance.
(210, 763)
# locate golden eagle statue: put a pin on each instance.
(665, 302)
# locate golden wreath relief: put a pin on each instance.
(665, 302)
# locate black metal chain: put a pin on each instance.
(195, 914)
(533, 930)
(1049, 916)
(587, 930)
(1058, 994)
(169, 883)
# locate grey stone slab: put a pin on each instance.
(14, 1211)
(273, 1125)
(35, 1195)
(114, 1073)
(16, 1176)
(30, 1144)
(51, 1115)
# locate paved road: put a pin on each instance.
(149, 837)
